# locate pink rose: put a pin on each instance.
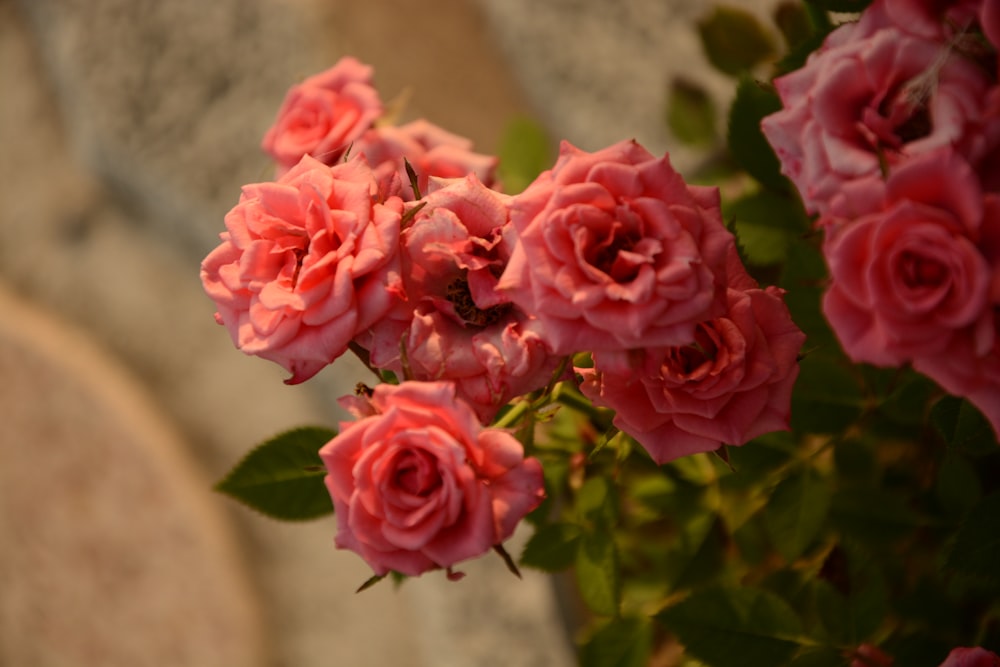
(867, 655)
(430, 150)
(615, 251)
(732, 383)
(323, 115)
(304, 265)
(941, 20)
(459, 327)
(906, 272)
(871, 97)
(971, 657)
(417, 484)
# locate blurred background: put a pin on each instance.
(126, 130)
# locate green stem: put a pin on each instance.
(819, 18)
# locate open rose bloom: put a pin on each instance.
(306, 264)
(891, 133)
(615, 251)
(323, 115)
(418, 484)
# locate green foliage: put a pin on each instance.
(747, 144)
(598, 576)
(691, 113)
(524, 153)
(766, 226)
(621, 642)
(976, 550)
(734, 40)
(283, 477)
(553, 547)
(735, 627)
(962, 426)
(796, 512)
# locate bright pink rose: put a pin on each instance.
(971, 657)
(459, 326)
(323, 115)
(615, 251)
(305, 265)
(732, 383)
(871, 98)
(417, 483)
(906, 271)
(430, 150)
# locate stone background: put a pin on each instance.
(126, 130)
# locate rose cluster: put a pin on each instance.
(891, 134)
(608, 271)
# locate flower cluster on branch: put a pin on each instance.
(590, 355)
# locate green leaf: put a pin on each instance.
(598, 575)
(597, 502)
(622, 642)
(804, 277)
(827, 397)
(963, 426)
(691, 113)
(766, 224)
(746, 142)
(735, 627)
(734, 40)
(283, 478)
(958, 486)
(552, 548)
(976, 550)
(524, 154)
(793, 22)
(872, 515)
(796, 512)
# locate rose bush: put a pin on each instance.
(417, 484)
(323, 115)
(599, 338)
(615, 251)
(305, 265)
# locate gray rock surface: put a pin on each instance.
(598, 72)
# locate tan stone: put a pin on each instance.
(113, 553)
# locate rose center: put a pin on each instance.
(686, 359)
(918, 271)
(460, 297)
(610, 255)
(416, 475)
